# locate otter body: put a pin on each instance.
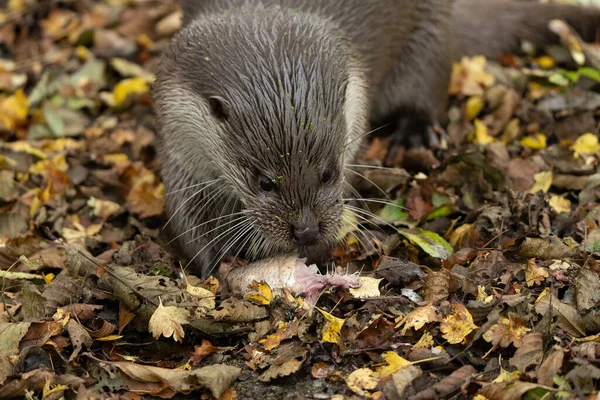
(262, 104)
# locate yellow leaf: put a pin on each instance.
(48, 278)
(115, 158)
(333, 327)
(167, 321)
(506, 376)
(103, 208)
(132, 86)
(13, 110)
(426, 342)
(395, 364)
(458, 325)
(544, 293)
(543, 182)
(545, 62)
(418, 317)
(535, 142)
(460, 233)
(511, 131)
(24, 147)
(109, 338)
(362, 380)
(506, 331)
(482, 295)
(585, 144)
(469, 77)
(534, 275)
(369, 288)
(206, 298)
(560, 204)
(261, 293)
(474, 107)
(481, 136)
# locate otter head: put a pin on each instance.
(278, 110)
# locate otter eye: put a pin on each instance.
(327, 176)
(266, 184)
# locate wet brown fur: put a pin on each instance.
(285, 89)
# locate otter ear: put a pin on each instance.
(219, 107)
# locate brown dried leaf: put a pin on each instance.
(567, 316)
(551, 367)
(507, 391)
(81, 312)
(418, 317)
(238, 311)
(506, 331)
(10, 337)
(167, 321)
(79, 337)
(448, 385)
(530, 352)
(534, 275)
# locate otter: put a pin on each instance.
(263, 104)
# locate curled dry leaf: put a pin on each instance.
(261, 293)
(506, 331)
(550, 368)
(369, 287)
(530, 352)
(448, 385)
(333, 327)
(362, 381)
(567, 316)
(534, 275)
(507, 391)
(167, 321)
(418, 317)
(457, 326)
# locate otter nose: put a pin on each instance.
(306, 235)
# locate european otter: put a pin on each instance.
(262, 105)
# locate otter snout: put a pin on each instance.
(306, 234)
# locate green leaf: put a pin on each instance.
(430, 242)
(590, 72)
(394, 214)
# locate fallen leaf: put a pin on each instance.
(543, 181)
(362, 381)
(369, 287)
(585, 144)
(167, 321)
(550, 368)
(535, 142)
(567, 316)
(560, 204)
(130, 87)
(418, 317)
(261, 293)
(394, 364)
(430, 242)
(531, 351)
(480, 135)
(507, 331)
(458, 325)
(13, 110)
(534, 275)
(332, 329)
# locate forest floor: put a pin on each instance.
(486, 285)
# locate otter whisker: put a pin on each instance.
(366, 134)
(240, 221)
(242, 246)
(357, 227)
(208, 222)
(356, 210)
(387, 203)
(370, 167)
(218, 237)
(191, 187)
(186, 201)
(370, 181)
(233, 240)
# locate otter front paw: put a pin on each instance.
(411, 133)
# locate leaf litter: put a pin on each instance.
(481, 280)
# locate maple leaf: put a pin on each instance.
(261, 293)
(534, 275)
(506, 331)
(394, 364)
(458, 325)
(167, 321)
(418, 317)
(333, 328)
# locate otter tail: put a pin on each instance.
(494, 28)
